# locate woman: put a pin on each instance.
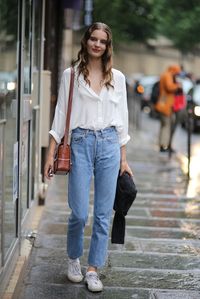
(99, 133)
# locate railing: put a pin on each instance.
(2, 142)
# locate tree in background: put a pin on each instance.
(130, 20)
(179, 20)
(8, 17)
(139, 20)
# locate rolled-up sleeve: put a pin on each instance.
(58, 126)
(123, 128)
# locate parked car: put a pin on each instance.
(193, 105)
(186, 83)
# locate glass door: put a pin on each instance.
(26, 108)
(37, 41)
(2, 151)
(8, 125)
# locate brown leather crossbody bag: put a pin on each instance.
(62, 160)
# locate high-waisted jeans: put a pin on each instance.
(93, 153)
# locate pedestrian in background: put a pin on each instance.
(167, 89)
(99, 133)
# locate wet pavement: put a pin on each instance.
(160, 258)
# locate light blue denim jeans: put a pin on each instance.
(93, 153)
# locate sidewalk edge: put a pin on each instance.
(17, 276)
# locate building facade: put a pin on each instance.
(21, 66)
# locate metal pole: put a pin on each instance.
(2, 192)
(170, 141)
(40, 175)
(189, 127)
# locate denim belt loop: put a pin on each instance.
(96, 133)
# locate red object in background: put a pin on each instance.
(179, 102)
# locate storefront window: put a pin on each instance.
(8, 112)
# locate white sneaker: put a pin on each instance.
(74, 273)
(93, 282)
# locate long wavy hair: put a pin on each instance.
(83, 58)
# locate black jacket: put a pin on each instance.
(125, 195)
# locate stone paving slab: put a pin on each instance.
(128, 259)
(193, 214)
(138, 278)
(152, 222)
(176, 200)
(123, 277)
(156, 232)
(168, 246)
(132, 230)
(49, 291)
(154, 261)
(164, 204)
(175, 295)
(59, 242)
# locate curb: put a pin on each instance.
(13, 287)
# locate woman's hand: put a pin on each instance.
(48, 168)
(124, 167)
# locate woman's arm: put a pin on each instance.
(50, 158)
(123, 131)
(124, 167)
(59, 121)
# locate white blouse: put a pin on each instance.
(90, 110)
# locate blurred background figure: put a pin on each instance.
(168, 87)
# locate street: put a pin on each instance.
(180, 143)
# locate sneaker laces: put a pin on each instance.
(94, 277)
(75, 267)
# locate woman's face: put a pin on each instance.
(96, 44)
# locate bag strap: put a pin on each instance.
(69, 108)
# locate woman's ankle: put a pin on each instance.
(91, 268)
